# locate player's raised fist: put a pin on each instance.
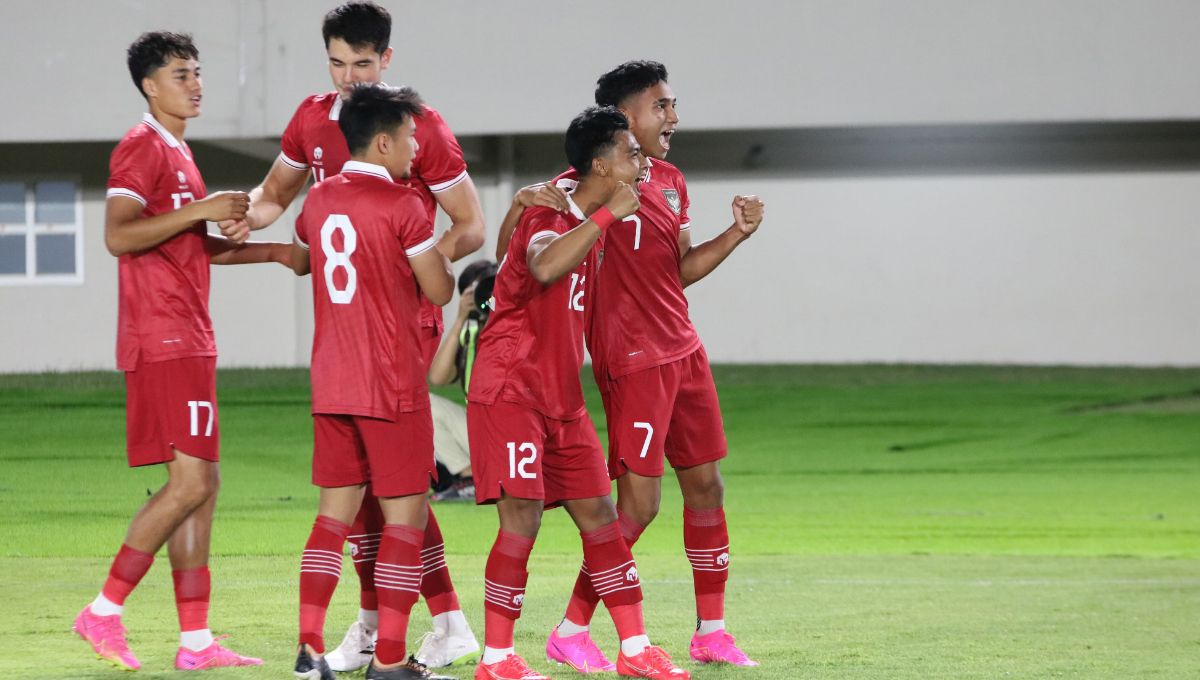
(747, 213)
(224, 205)
(623, 201)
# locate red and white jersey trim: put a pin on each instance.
(166, 135)
(299, 241)
(420, 247)
(442, 186)
(367, 169)
(127, 193)
(292, 163)
(541, 235)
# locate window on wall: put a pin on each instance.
(41, 232)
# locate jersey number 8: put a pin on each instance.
(339, 258)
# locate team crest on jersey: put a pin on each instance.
(182, 177)
(672, 197)
(317, 153)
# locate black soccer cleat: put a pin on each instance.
(308, 668)
(409, 670)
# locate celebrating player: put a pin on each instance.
(154, 224)
(370, 241)
(532, 443)
(356, 41)
(653, 373)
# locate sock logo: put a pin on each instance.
(631, 575)
(723, 559)
(518, 599)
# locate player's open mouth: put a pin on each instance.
(665, 138)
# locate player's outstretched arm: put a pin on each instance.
(267, 201)
(126, 232)
(443, 370)
(432, 270)
(697, 262)
(222, 250)
(542, 193)
(551, 258)
(467, 232)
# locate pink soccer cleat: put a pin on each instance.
(106, 635)
(577, 651)
(212, 656)
(653, 663)
(718, 647)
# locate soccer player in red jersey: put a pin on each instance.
(532, 443)
(155, 217)
(369, 241)
(653, 373)
(356, 42)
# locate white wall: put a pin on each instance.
(525, 66)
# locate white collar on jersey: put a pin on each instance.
(162, 131)
(367, 169)
(575, 209)
(336, 109)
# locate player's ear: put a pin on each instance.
(600, 167)
(383, 143)
(385, 59)
(149, 87)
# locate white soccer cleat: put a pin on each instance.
(440, 649)
(355, 651)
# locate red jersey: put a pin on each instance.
(163, 291)
(532, 349)
(313, 140)
(637, 312)
(366, 359)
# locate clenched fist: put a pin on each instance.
(224, 205)
(747, 213)
(623, 201)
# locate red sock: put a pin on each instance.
(584, 598)
(504, 587)
(436, 586)
(364, 546)
(128, 568)
(615, 578)
(320, 569)
(192, 588)
(706, 542)
(397, 581)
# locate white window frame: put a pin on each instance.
(31, 230)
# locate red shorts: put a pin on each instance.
(395, 456)
(670, 409)
(171, 406)
(528, 455)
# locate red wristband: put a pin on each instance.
(603, 218)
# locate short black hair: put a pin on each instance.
(474, 272)
(151, 51)
(591, 134)
(628, 79)
(374, 108)
(361, 24)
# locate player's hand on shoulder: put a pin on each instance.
(623, 201)
(544, 194)
(748, 213)
(224, 206)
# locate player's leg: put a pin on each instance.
(637, 408)
(506, 446)
(339, 469)
(451, 642)
(398, 579)
(166, 403)
(695, 445)
(614, 576)
(358, 644)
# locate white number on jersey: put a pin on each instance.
(637, 230)
(181, 199)
(194, 411)
(335, 258)
(575, 301)
(515, 467)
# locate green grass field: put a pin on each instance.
(887, 522)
